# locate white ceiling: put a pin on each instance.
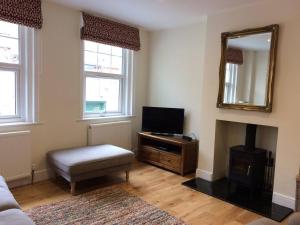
(156, 14)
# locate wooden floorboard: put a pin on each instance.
(156, 186)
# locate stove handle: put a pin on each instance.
(249, 170)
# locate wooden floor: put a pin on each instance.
(156, 186)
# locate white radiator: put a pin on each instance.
(15, 155)
(114, 133)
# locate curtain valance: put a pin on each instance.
(23, 12)
(234, 55)
(109, 32)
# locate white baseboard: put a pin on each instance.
(19, 182)
(284, 200)
(42, 175)
(204, 174)
(39, 175)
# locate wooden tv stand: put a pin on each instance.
(172, 153)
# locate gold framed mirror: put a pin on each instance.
(247, 69)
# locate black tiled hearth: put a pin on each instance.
(260, 204)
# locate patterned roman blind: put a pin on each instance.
(109, 32)
(234, 56)
(23, 12)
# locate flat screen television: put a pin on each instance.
(163, 120)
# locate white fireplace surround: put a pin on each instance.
(230, 133)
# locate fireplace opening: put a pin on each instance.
(249, 151)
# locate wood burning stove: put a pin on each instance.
(247, 164)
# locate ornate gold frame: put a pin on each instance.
(274, 29)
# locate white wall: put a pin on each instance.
(286, 111)
(175, 71)
(59, 84)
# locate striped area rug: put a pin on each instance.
(109, 206)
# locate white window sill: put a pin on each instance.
(19, 124)
(106, 118)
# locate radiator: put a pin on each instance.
(115, 133)
(15, 155)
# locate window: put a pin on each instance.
(16, 73)
(107, 80)
(230, 83)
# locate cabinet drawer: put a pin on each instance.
(170, 160)
(149, 153)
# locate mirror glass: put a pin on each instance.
(247, 68)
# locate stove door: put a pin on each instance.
(241, 167)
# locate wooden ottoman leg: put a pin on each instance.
(127, 175)
(73, 187)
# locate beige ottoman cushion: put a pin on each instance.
(89, 158)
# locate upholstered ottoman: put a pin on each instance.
(77, 164)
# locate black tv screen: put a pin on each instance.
(163, 120)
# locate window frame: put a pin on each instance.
(230, 87)
(26, 101)
(125, 82)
